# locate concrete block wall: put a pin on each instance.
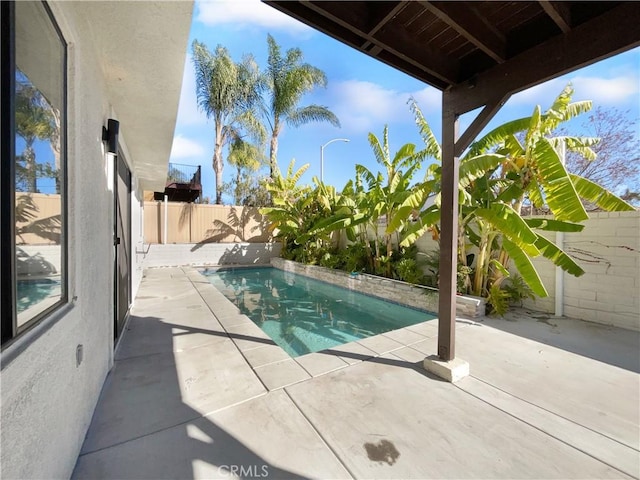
(424, 298)
(608, 249)
(175, 255)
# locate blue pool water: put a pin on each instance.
(303, 315)
(30, 292)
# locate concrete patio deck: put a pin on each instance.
(198, 391)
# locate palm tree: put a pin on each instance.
(228, 92)
(34, 121)
(247, 158)
(287, 80)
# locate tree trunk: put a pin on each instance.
(238, 192)
(55, 145)
(30, 167)
(217, 163)
(273, 149)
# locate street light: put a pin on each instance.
(322, 153)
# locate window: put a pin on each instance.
(33, 191)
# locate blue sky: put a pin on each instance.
(364, 93)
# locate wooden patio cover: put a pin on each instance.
(478, 54)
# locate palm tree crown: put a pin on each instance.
(228, 92)
(287, 80)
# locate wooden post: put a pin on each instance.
(448, 233)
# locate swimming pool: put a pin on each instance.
(303, 315)
(30, 292)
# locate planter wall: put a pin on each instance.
(416, 296)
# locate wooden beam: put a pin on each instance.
(616, 31)
(397, 42)
(468, 24)
(559, 13)
(481, 121)
(448, 233)
(384, 20)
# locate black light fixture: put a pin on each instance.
(110, 135)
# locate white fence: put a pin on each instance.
(210, 254)
(608, 249)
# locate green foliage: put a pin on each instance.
(517, 289)
(381, 214)
(408, 271)
(520, 162)
(247, 186)
(498, 300)
(356, 258)
(35, 119)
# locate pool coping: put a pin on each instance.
(276, 369)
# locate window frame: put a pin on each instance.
(9, 329)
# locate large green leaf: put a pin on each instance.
(432, 147)
(414, 201)
(535, 195)
(553, 225)
(474, 167)
(526, 269)
(506, 221)
(497, 136)
(512, 192)
(600, 196)
(558, 257)
(369, 177)
(560, 194)
(580, 145)
(426, 219)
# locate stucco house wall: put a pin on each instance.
(47, 397)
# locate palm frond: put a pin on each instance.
(312, 113)
(426, 220)
(472, 168)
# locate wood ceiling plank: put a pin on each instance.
(558, 12)
(396, 41)
(557, 56)
(467, 23)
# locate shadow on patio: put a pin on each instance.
(151, 420)
(197, 391)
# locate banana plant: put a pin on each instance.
(521, 162)
(291, 203)
(376, 197)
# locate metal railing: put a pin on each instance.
(189, 174)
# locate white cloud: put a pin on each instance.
(184, 148)
(247, 12)
(606, 91)
(429, 99)
(602, 91)
(366, 106)
(188, 113)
